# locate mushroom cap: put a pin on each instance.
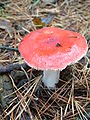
(52, 48)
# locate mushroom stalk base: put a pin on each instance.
(50, 78)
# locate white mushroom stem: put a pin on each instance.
(50, 78)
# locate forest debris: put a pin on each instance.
(8, 68)
(6, 25)
(51, 11)
(9, 48)
(43, 21)
(6, 88)
(1, 41)
(49, 1)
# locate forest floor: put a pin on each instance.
(22, 95)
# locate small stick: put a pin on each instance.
(9, 48)
(10, 67)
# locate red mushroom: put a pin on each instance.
(51, 49)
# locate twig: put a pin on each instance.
(10, 67)
(9, 48)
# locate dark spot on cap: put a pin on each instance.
(58, 45)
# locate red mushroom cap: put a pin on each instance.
(52, 48)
